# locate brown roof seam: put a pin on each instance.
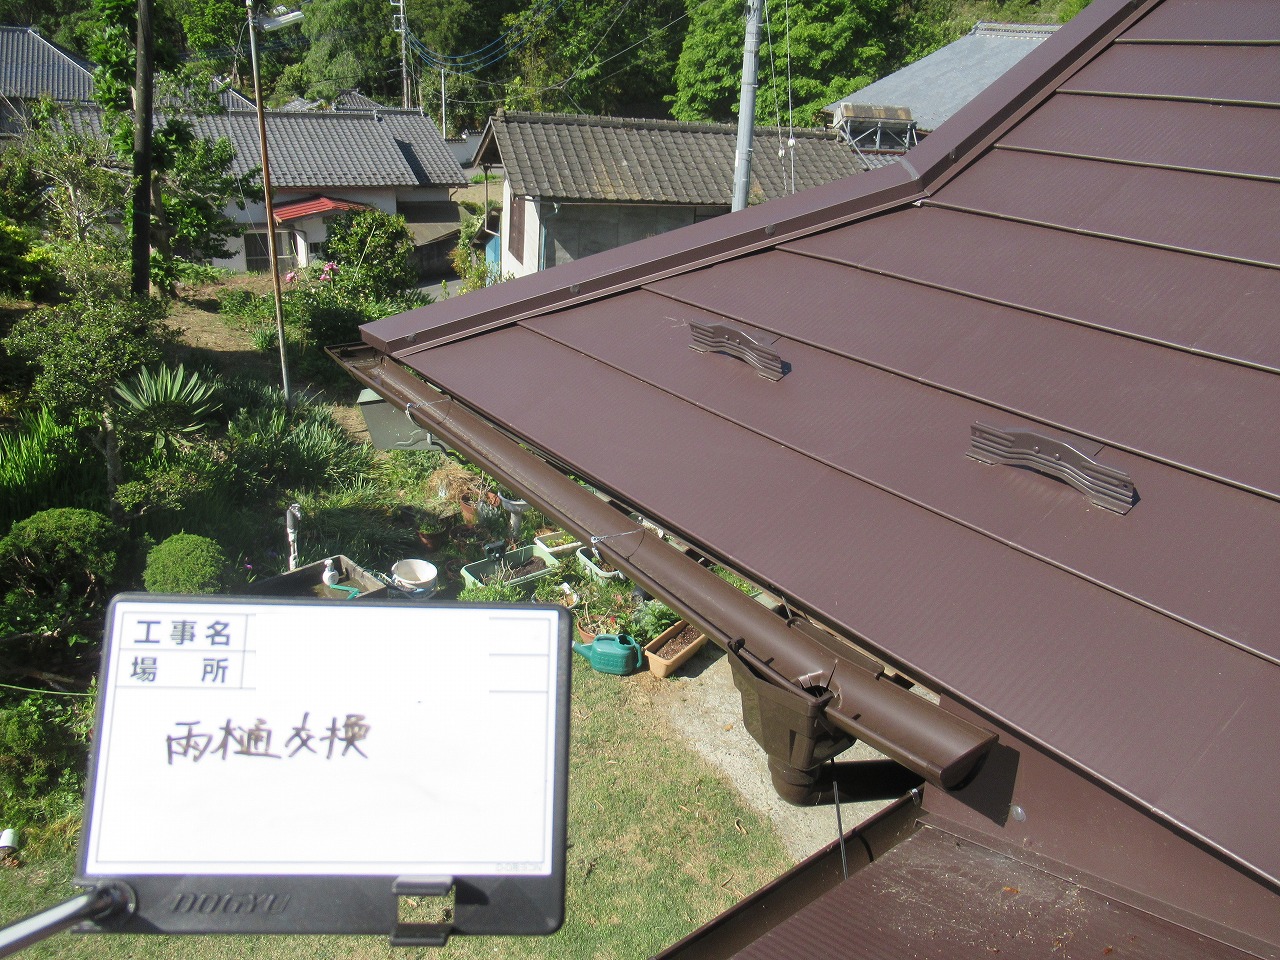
(1172, 98)
(883, 488)
(1146, 165)
(1023, 308)
(1081, 231)
(1184, 42)
(966, 395)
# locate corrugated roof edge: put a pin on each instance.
(919, 173)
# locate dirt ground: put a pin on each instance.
(699, 702)
(198, 323)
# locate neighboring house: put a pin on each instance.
(578, 185)
(323, 163)
(893, 113)
(1007, 432)
(30, 68)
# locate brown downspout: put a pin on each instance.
(806, 695)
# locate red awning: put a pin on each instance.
(311, 206)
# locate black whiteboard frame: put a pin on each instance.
(483, 905)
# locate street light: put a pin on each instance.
(268, 24)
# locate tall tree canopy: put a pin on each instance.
(833, 47)
(351, 46)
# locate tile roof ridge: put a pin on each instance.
(656, 123)
(994, 28)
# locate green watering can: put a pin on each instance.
(612, 653)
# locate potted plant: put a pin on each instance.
(669, 650)
(596, 566)
(521, 565)
(557, 542)
(433, 531)
(605, 606)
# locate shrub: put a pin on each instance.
(22, 273)
(42, 465)
(302, 448)
(43, 753)
(65, 546)
(374, 250)
(167, 405)
(59, 567)
(81, 349)
(185, 563)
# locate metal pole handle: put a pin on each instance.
(96, 904)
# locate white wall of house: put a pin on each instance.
(552, 233)
(296, 239)
(519, 256)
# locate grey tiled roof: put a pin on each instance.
(655, 161)
(341, 149)
(327, 149)
(355, 100)
(32, 67)
(938, 85)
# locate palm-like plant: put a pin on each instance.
(168, 404)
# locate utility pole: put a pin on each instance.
(400, 24)
(442, 133)
(747, 106)
(270, 208)
(140, 272)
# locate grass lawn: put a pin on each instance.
(658, 844)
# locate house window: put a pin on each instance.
(258, 258)
(515, 233)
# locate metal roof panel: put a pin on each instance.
(1219, 216)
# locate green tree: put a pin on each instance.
(191, 178)
(587, 57)
(80, 350)
(836, 47)
(352, 45)
(77, 190)
(372, 250)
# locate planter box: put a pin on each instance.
(475, 573)
(664, 666)
(306, 582)
(570, 545)
(591, 569)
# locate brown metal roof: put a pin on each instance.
(1069, 255)
(938, 897)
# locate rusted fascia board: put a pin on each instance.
(646, 261)
(987, 117)
(929, 741)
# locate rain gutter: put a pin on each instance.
(807, 695)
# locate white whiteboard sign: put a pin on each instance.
(326, 737)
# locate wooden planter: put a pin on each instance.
(664, 666)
